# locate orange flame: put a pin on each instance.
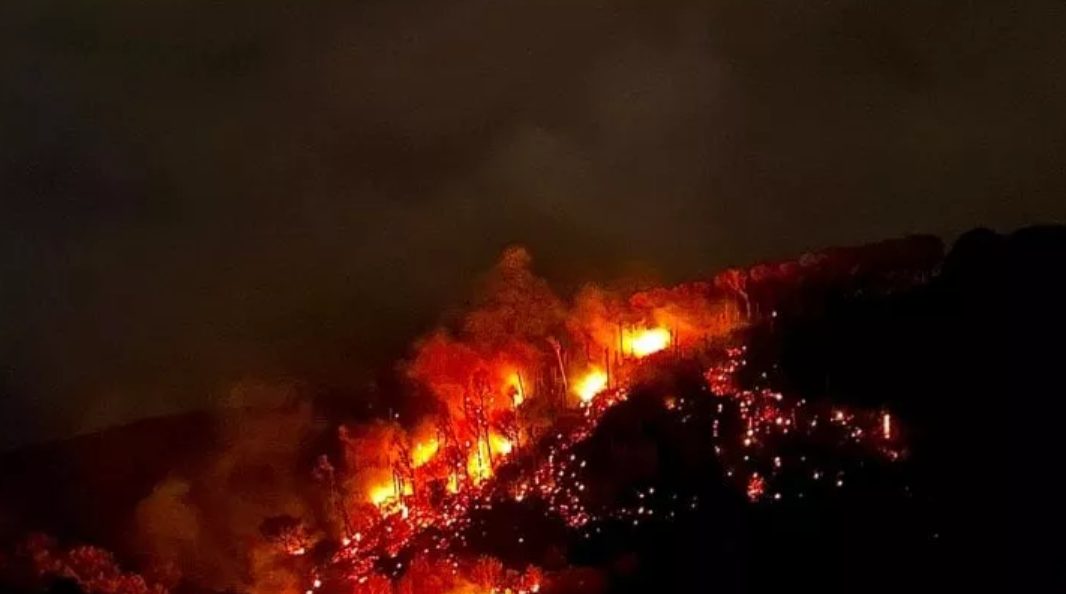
(386, 492)
(479, 462)
(423, 452)
(518, 394)
(591, 384)
(501, 446)
(644, 342)
(383, 493)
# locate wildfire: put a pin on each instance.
(381, 494)
(424, 482)
(644, 342)
(423, 452)
(518, 392)
(480, 462)
(591, 384)
(405, 515)
(500, 445)
(385, 493)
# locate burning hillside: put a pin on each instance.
(513, 456)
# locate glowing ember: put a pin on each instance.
(641, 343)
(590, 385)
(769, 423)
(381, 494)
(426, 481)
(756, 487)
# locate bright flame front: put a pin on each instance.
(644, 342)
(383, 493)
(501, 446)
(423, 452)
(479, 462)
(387, 492)
(591, 384)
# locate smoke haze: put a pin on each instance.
(195, 193)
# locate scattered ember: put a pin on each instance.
(408, 499)
(768, 420)
(756, 487)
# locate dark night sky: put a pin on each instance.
(197, 192)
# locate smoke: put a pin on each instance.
(370, 453)
(169, 530)
(517, 305)
(486, 382)
(259, 513)
(271, 572)
(208, 524)
(260, 190)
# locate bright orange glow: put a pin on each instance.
(401, 493)
(501, 446)
(468, 588)
(591, 384)
(479, 462)
(383, 493)
(514, 383)
(477, 465)
(423, 452)
(644, 342)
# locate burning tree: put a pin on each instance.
(513, 392)
(736, 280)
